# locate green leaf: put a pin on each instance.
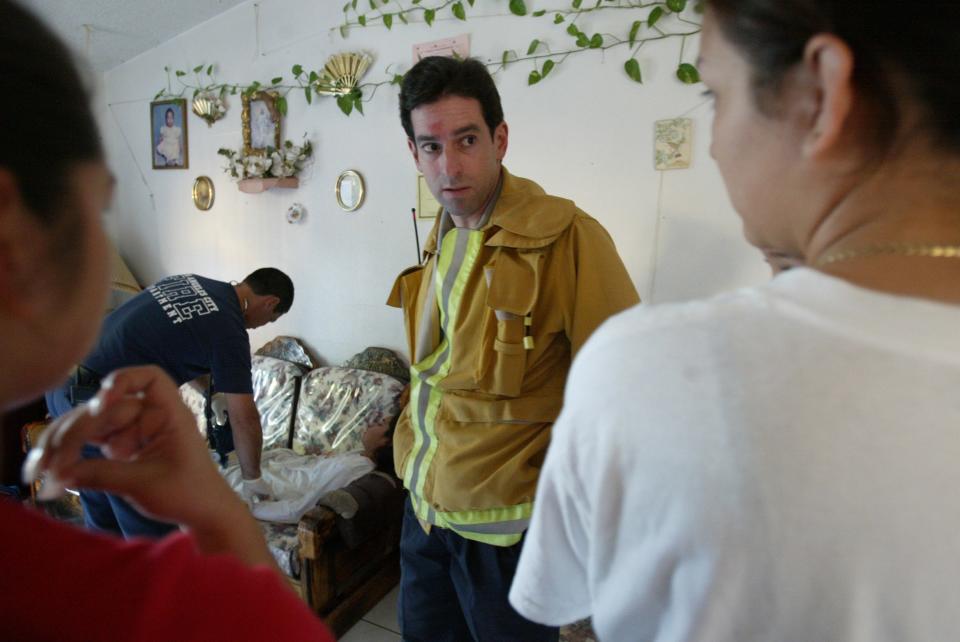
(470, 2)
(396, 80)
(654, 16)
(403, 18)
(458, 11)
(345, 103)
(357, 102)
(159, 93)
(344, 31)
(197, 69)
(534, 77)
(362, 20)
(533, 46)
(547, 68)
(573, 30)
(582, 40)
(557, 19)
(195, 92)
(296, 70)
(537, 14)
(353, 4)
(277, 80)
(518, 7)
(576, 3)
(688, 74)
(314, 76)
(180, 73)
(632, 67)
(388, 20)
(346, 7)
(676, 6)
(596, 42)
(373, 5)
(634, 28)
(428, 16)
(507, 55)
(210, 70)
(308, 94)
(282, 105)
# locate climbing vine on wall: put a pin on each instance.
(640, 23)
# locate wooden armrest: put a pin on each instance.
(314, 528)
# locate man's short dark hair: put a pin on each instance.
(435, 77)
(270, 281)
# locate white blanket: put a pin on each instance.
(298, 481)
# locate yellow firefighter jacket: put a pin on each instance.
(493, 319)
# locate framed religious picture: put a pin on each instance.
(168, 134)
(260, 120)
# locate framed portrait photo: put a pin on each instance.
(168, 134)
(260, 119)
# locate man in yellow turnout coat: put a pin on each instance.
(514, 283)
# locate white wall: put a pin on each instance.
(585, 133)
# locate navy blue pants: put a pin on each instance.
(453, 589)
(103, 511)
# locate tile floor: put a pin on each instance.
(378, 625)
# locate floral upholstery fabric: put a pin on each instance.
(380, 360)
(579, 631)
(274, 386)
(337, 405)
(287, 349)
(284, 546)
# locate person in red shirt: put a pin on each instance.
(213, 580)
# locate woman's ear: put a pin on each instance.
(828, 69)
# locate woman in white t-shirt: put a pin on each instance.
(781, 462)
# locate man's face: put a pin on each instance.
(454, 150)
(262, 312)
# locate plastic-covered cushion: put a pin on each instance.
(337, 405)
(380, 360)
(274, 386)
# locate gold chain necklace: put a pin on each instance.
(892, 249)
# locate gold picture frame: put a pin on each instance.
(203, 193)
(350, 190)
(260, 120)
(427, 205)
(168, 134)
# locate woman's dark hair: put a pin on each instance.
(435, 77)
(50, 126)
(270, 281)
(895, 50)
(169, 111)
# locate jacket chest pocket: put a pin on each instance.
(513, 279)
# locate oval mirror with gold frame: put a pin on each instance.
(203, 193)
(350, 190)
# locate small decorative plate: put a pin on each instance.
(203, 193)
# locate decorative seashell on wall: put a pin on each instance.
(342, 73)
(209, 107)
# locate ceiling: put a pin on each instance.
(110, 32)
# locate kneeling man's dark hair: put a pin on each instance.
(270, 281)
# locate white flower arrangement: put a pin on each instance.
(276, 163)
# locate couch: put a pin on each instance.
(342, 556)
